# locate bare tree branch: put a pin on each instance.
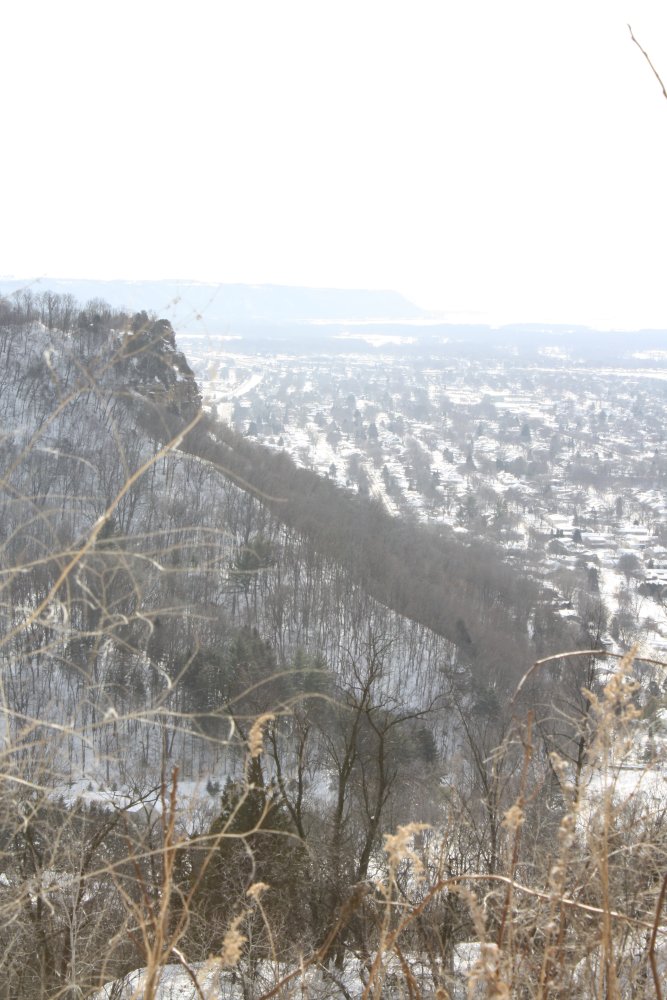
(648, 60)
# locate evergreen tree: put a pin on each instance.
(252, 843)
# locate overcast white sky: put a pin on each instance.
(492, 159)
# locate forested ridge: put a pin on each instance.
(456, 589)
(225, 681)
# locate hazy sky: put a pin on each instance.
(493, 159)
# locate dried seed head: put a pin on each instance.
(513, 818)
(257, 890)
(232, 943)
(398, 846)
(256, 736)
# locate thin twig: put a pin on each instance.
(188, 968)
(654, 934)
(648, 60)
(579, 653)
(319, 956)
(520, 804)
(90, 541)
